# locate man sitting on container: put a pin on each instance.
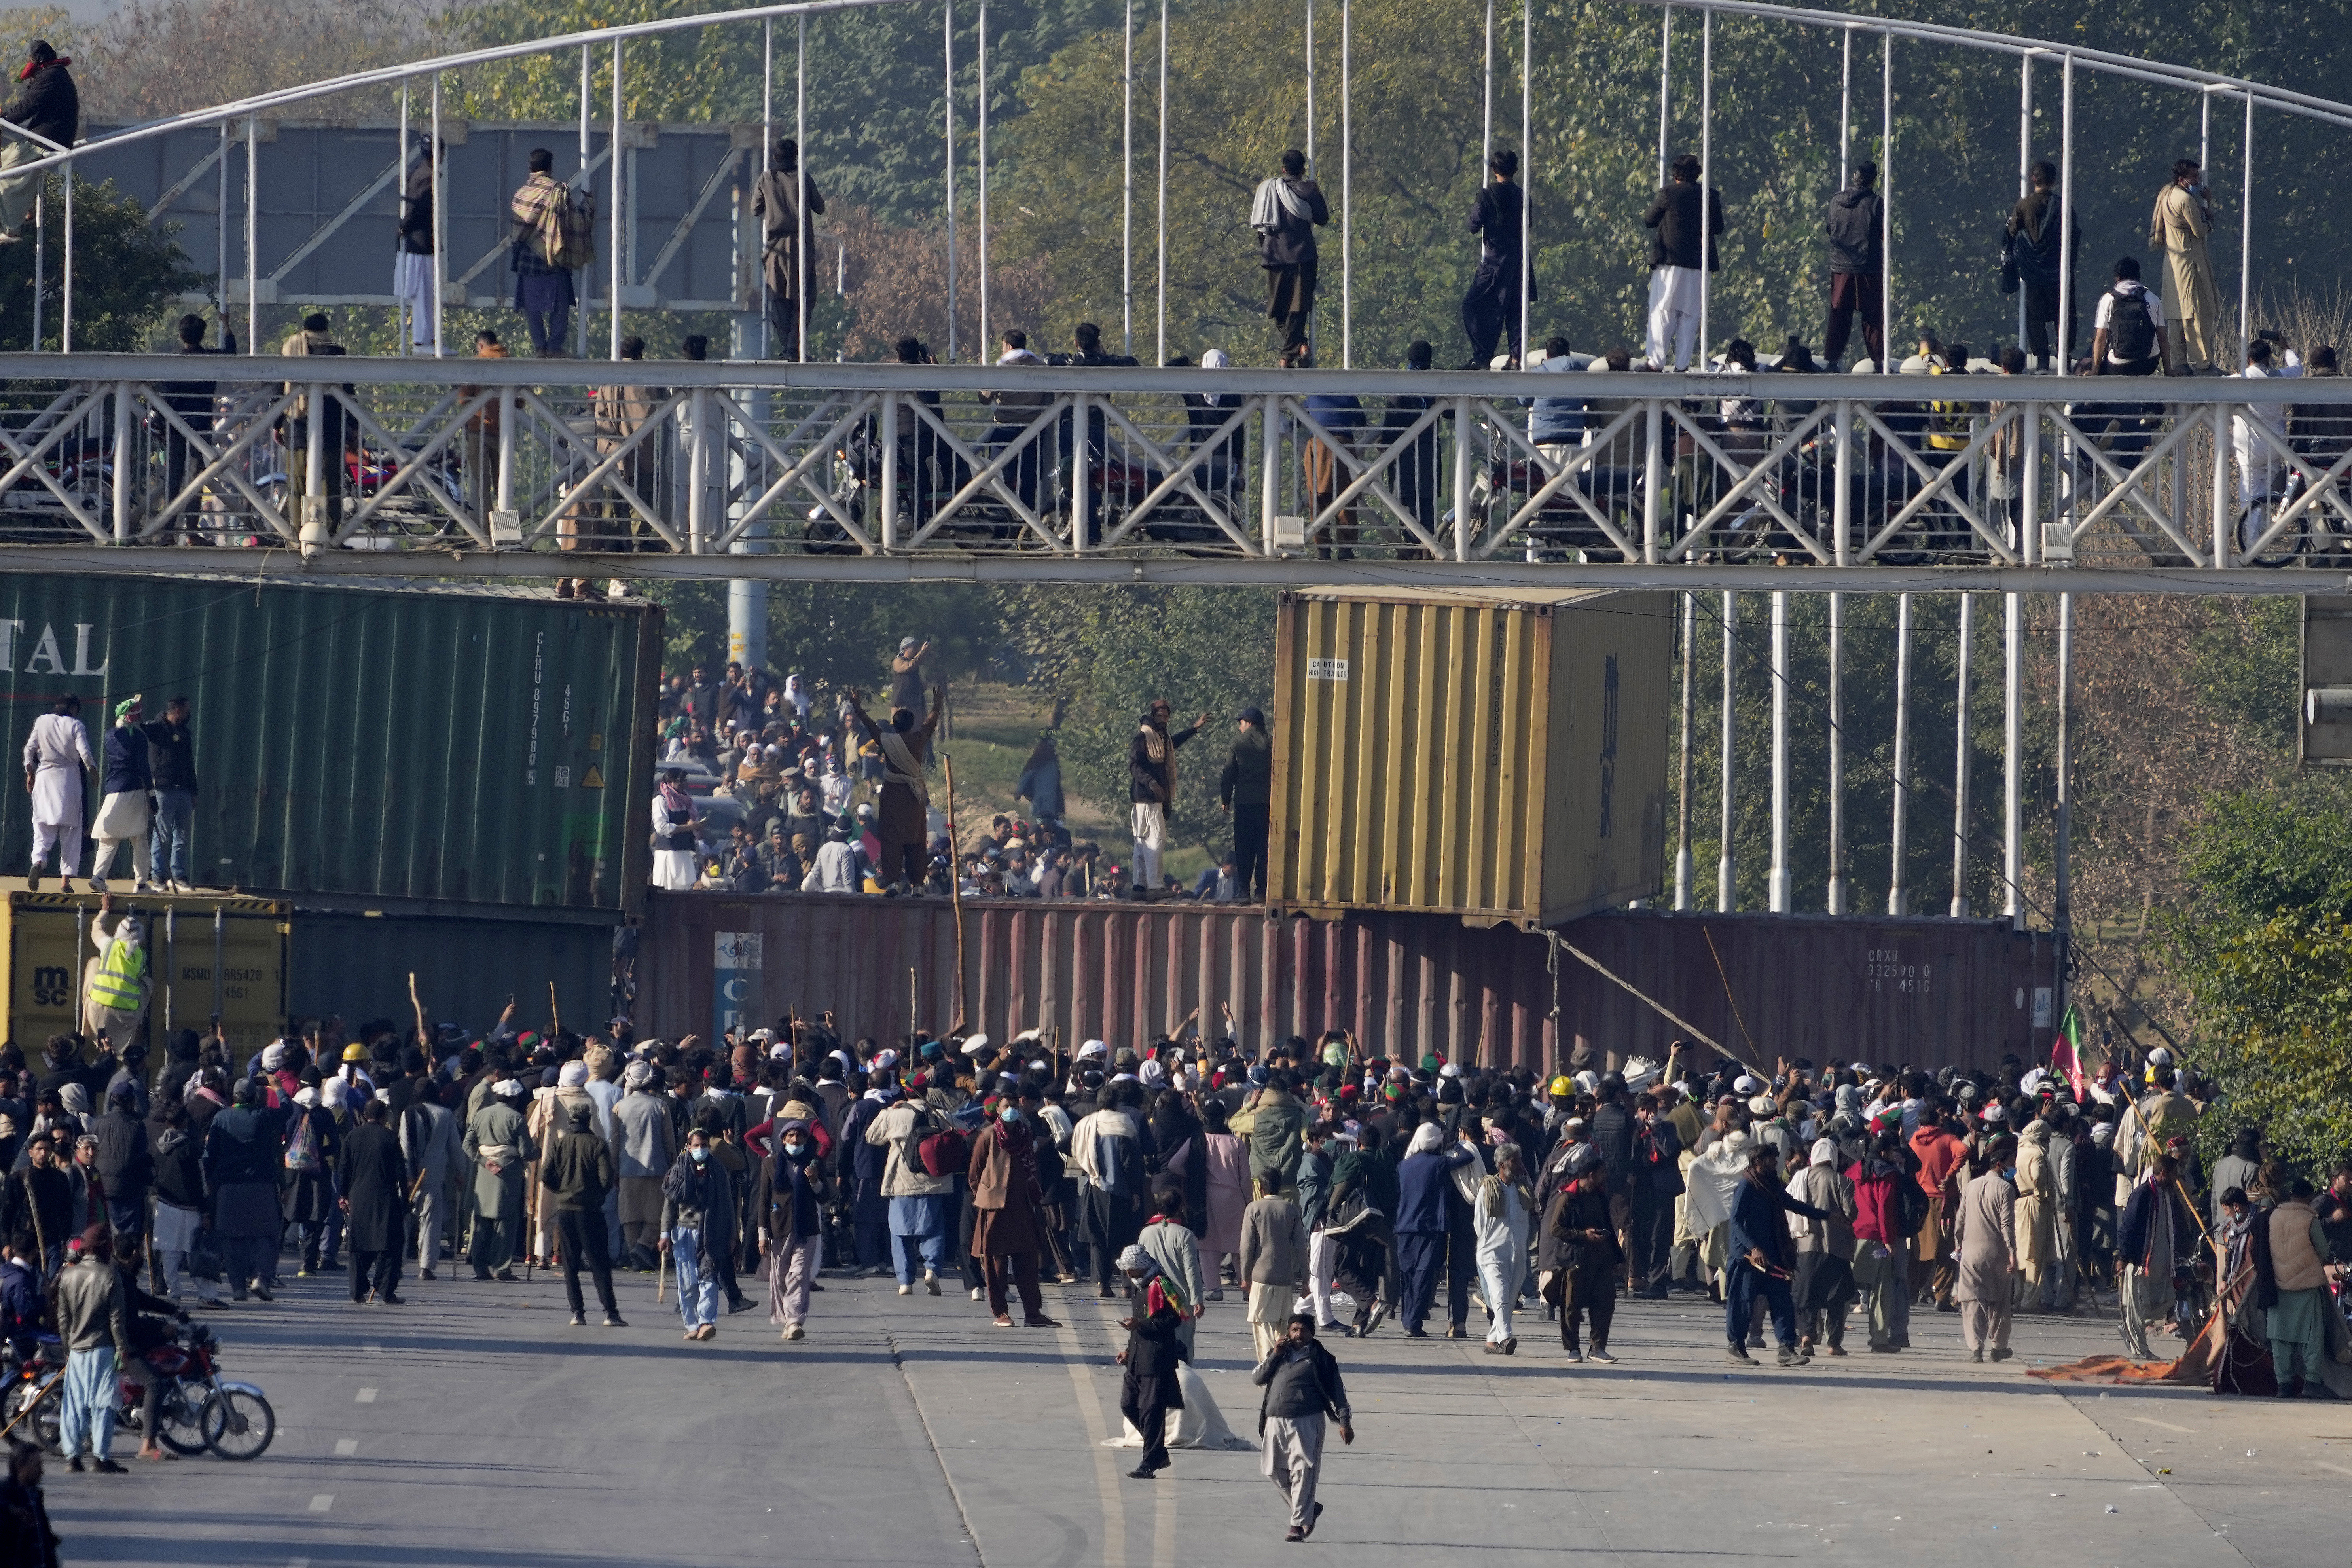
(906, 749)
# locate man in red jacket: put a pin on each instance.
(1942, 1155)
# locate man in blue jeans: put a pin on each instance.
(172, 761)
(1761, 1258)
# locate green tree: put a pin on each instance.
(2263, 951)
(127, 273)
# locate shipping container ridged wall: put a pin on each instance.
(394, 743)
(1441, 753)
(1920, 990)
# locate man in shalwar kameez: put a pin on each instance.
(58, 763)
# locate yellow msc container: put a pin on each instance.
(206, 954)
(1504, 762)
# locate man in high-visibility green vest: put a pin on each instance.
(116, 983)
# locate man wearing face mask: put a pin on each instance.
(577, 1172)
(792, 1222)
(1008, 1205)
(698, 1213)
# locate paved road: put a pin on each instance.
(472, 1428)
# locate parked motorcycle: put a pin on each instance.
(197, 1410)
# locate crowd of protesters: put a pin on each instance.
(1331, 1193)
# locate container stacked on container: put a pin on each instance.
(364, 755)
(1502, 762)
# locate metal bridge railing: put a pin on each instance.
(925, 462)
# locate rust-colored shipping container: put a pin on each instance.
(1822, 987)
(1503, 762)
(1407, 984)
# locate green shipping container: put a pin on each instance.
(383, 742)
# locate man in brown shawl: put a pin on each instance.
(901, 825)
(786, 242)
(1151, 788)
(1008, 1201)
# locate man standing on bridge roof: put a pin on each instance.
(1491, 307)
(1686, 217)
(57, 761)
(2180, 225)
(1285, 211)
(787, 240)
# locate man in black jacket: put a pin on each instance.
(2034, 243)
(1303, 1391)
(1686, 217)
(1491, 307)
(1613, 1134)
(124, 1164)
(1857, 265)
(48, 106)
(192, 401)
(1247, 791)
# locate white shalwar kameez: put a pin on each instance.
(58, 755)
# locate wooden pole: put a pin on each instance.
(955, 897)
(423, 1042)
(554, 1010)
(911, 1030)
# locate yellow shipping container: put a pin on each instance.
(207, 955)
(1504, 761)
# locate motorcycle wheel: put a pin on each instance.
(238, 1425)
(180, 1421)
(41, 1426)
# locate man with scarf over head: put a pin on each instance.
(901, 826)
(1285, 211)
(48, 106)
(675, 819)
(1149, 1389)
(1151, 788)
(789, 1198)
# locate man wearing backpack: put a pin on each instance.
(2127, 334)
(922, 1205)
(549, 243)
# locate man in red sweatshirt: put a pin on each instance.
(1942, 1155)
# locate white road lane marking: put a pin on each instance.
(346, 1446)
(367, 1396)
(2152, 1421)
(322, 1502)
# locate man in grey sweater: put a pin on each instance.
(1303, 1393)
(95, 1326)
